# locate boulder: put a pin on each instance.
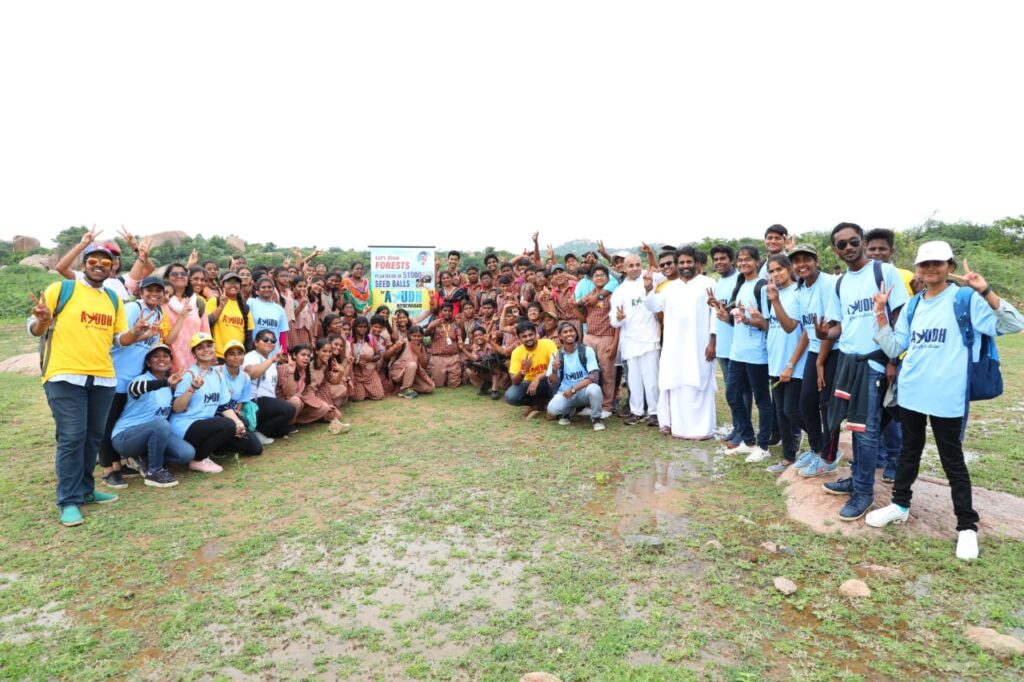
(785, 585)
(28, 363)
(175, 237)
(236, 244)
(37, 261)
(23, 244)
(855, 588)
(1003, 645)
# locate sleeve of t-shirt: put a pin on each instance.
(250, 325)
(831, 304)
(983, 318)
(184, 384)
(284, 321)
(246, 389)
(901, 333)
(515, 363)
(898, 298)
(591, 359)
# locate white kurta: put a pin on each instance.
(685, 377)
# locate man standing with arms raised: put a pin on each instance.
(638, 342)
(686, 373)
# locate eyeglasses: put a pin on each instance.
(93, 261)
(842, 243)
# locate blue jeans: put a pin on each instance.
(745, 377)
(80, 415)
(865, 445)
(748, 398)
(154, 441)
(516, 393)
(892, 443)
(590, 396)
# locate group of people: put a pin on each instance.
(175, 370)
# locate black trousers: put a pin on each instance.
(107, 453)
(947, 438)
(209, 435)
(274, 417)
(814, 406)
(786, 402)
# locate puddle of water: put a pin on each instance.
(32, 623)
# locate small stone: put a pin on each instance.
(128, 595)
(785, 585)
(744, 519)
(643, 542)
(770, 547)
(987, 638)
(881, 571)
(713, 544)
(855, 588)
(539, 677)
(788, 551)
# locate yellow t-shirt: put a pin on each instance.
(540, 357)
(84, 332)
(229, 325)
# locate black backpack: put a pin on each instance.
(877, 264)
(758, 288)
(581, 353)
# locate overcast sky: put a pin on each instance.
(475, 123)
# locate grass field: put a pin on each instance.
(446, 538)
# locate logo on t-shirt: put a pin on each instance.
(928, 338)
(232, 320)
(97, 320)
(266, 322)
(860, 307)
(213, 398)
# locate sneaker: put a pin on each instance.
(585, 412)
(605, 414)
(264, 440)
(623, 410)
(844, 486)
(818, 466)
(757, 455)
(967, 545)
(779, 467)
(161, 478)
(633, 420)
(97, 497)
(564, 420)
(129, 471)
(652, 420)
(856, 507)
(495, 395)
(740, 448)
(114, 480)
(805, 458)
(338, 427)
(205, 466)
(892, 513)
(598, 425)
(71, 515)
(408, 393)
(889, 475)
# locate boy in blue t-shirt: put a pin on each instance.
(574, 384)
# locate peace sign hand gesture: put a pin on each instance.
(129, 238)
(772, 291)
(40, 310)
(756, 317)
(713, 300)
(648, 280)
(90, 236)
(820, 327)
(972, 279)
(881, 299)
(142, 325)
(620, 313)
(173, 379)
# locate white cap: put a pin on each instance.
(933, 251)
(620, 254)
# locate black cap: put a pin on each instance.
(151, 281)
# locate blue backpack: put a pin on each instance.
(984, 377)
(67, 288)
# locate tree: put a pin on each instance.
(68, 238)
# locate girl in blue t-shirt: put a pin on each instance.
(933, 380)
(268, 314)
(238, 386)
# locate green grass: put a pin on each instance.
(446, 538)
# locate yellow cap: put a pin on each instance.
(198, 338)
(233, 343)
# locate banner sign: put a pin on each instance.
(402, 277)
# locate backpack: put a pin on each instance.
(67, 288)
(879, 277)
(581, 353)
(984, 377)
(758, 288)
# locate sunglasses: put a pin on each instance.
(93, 261)
(666, 264)
(842, 243)
(176, 275)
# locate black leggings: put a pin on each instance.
(274, 417)
(107, 453)
(209, 435)
(814, 406)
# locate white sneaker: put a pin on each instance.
(605, 414)
(967, 545)
(585, 412)
(264, 440)
(741, 449)
(564, 421)
(886, 515)
(598, 425)
(206, 466)
(756, 455)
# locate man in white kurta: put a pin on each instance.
(639, 340)
(686, 373)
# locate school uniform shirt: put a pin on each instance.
(855, 310)
(148, 407)
(933, 374)
(266, 385)
(267, 315)
(572, 371)
(780, 344)
(230, 326)
(204, 402)
(814, 301)
(749, 344)
(83, 333)
(129, 360)
(540, 358)
(723, 330)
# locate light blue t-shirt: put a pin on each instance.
(855, 309)
(585, 286)
(933, 374)
(724, 330)
(782, 345)
(146, 408)
(268, 315)
(128, 360)
(814, 302)
(204, 403)
(749, 344)
(573, 372)
(239, 388)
